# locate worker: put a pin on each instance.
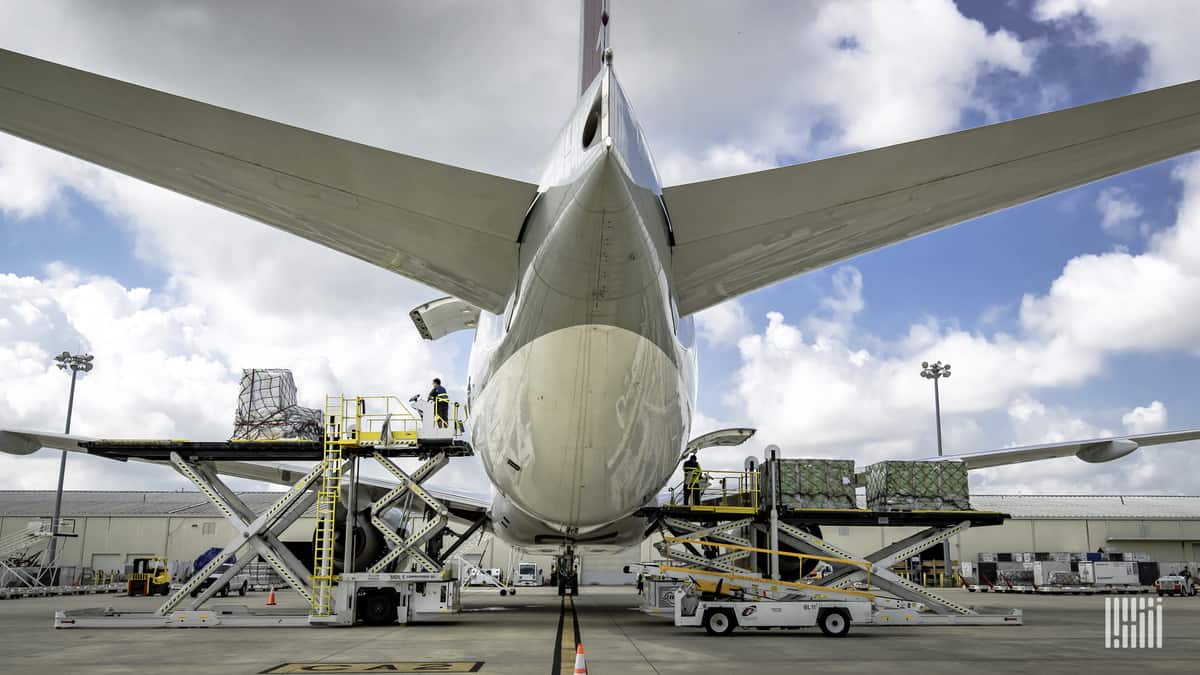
(691, 480)
(441, 403)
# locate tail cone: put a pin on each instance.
(271, 597)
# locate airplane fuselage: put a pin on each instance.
(583, 391)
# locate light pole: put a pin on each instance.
(935, 372)
(74, 363)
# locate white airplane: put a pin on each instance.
(581, 289)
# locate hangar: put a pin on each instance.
(112, 527)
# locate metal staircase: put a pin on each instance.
(328, 494)
(25, 541)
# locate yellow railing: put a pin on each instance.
(866, 565)
(718, 491)
(364, 420)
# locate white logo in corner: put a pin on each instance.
(1133, 623)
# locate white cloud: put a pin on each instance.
(1146, 419)
(840, 76)
(723, 324)
(1161, 25)
(1118, 211)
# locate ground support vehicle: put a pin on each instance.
(149, 576)
(374, 596)
(723, 616)
(1174, 584)
(239, 582)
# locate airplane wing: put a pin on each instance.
(20, 442)
(736, 234)
(448, 227)
(1094, 451)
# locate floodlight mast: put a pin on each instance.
(936, 371)
(74, 363)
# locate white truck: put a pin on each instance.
(1174, 584)
(239, 583)
(723, 616)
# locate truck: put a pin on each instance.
(1174, 584)
(721, 616)
(239, 582)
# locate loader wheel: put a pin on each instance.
(242, 590)
(719, 622)
(834, 622)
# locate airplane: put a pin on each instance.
(581, 289)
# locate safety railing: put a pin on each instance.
(717, 491)
(385, 419)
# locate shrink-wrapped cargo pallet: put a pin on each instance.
(917, 486)
(812, 483)
(267, 408)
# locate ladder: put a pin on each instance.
(328, 493)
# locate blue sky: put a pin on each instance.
(224, 294)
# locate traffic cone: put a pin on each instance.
(271, 596)
(580, 664)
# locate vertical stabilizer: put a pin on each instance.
(593, 40)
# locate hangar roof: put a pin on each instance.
(149, 503)
(1141, 507)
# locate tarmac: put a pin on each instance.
(524, 633)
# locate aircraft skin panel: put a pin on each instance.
(736, 234)
(451, 228)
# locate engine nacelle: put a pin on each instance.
(1106, 451)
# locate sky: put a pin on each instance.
(1066, 318)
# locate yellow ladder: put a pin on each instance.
(327, 498)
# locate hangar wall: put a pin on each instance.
(114, 526)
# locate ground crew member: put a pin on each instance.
(691, 480)
(441, 404)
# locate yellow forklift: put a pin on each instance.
(149, 576)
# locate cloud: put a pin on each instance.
(842, 76)
(723, 324)
(1157, 25)
(1117, 211)
(1146, 419)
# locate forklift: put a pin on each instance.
(149, 576)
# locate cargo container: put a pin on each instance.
(917, 486)
(812, 483)
(1104, 573)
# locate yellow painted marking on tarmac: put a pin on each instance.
(567, 662)
(379, 667)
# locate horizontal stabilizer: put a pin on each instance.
(451, 228)
(740, 233)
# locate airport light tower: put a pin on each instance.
(936, 371)
(74, 363)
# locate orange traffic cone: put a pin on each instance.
(271, 596)
(580, 664)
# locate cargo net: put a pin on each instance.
(912, 486)
(267, 408)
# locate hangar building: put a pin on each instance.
(111, 527)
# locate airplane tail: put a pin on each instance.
(593, 40)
